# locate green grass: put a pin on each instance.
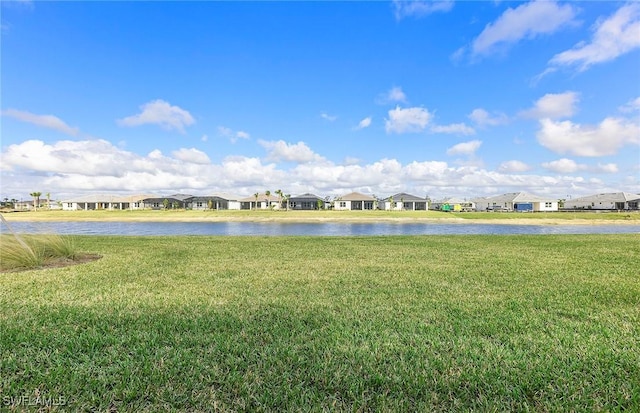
(34, 251)
(428, 323)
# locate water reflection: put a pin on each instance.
(309, 229)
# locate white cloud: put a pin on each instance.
(395, 94)
(513, 166)
(231, 134)
(410, 120)
(278, 151)
(631, 106)
(609, 168)
(364, 123)
(350, 160)
(454, 128)
(45, 121)
(328, 117)
(482, 118)
(564, 166)
(204, 138)
(465, 148)
(191, 155)
(553, 106)
(524, 22)
(78, 167)
(613, 37)
(159, 112)
(603, 139)
(417, 8)
(242, 135)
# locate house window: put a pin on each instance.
(368, 205)
(156, 204)
(343, 204)
(548, 204)
(199, 204)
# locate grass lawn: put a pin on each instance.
(410, 323)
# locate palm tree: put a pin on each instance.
(36, 199)
(391, 203)
(287, 197)
(280, 197)
(48, 200)
(267, 194)
(256, 195)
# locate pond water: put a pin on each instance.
(308, 229)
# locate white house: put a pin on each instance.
(608, 201)
(261, 202)
(105, 201)
(516, 201)
(218, 201)
(355, 201)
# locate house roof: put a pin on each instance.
(356, 196)
(608, 197)
(226, 196)
(306, 196)
(97, 198)
(404, 196)
(453, 201)
(261, 197)
(517, 197)
(180, 197)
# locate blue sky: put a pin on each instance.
(432, 98)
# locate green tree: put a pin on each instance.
(210, 204)
(36, 199)
(392, 205)
(48, 200)
(165, 203)
(319, 204)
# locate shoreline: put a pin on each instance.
(117, 217)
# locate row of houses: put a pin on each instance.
(516, 201)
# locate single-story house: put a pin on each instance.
(516, 201)
(306, 202)
(218, 201)
(174, 201)
(262, 201)
(355, 201)
(608, 201)
(453, 205)
(44, 204)
(404, 202)
(105, 201)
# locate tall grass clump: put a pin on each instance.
(34, 251)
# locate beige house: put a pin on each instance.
(262, 202)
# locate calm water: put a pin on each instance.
(316, 229)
